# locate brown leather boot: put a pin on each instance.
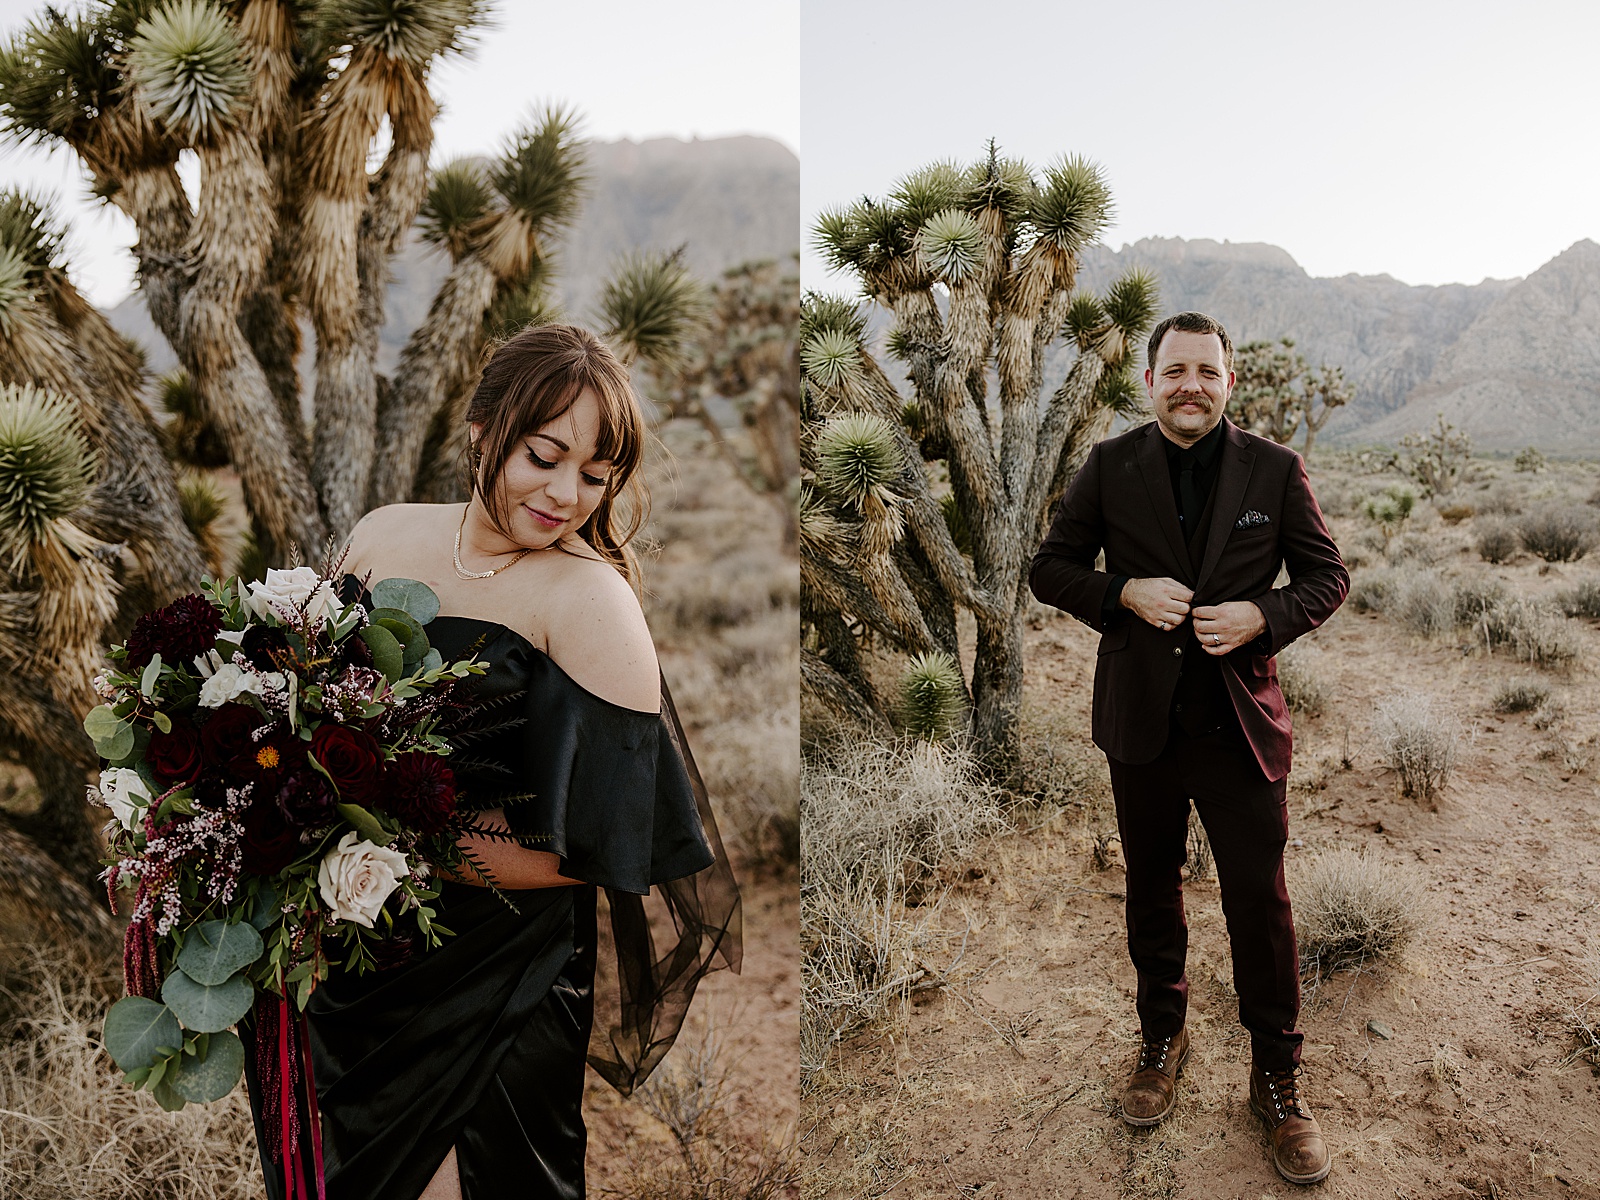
(1151, 1091)
(1298, 1150)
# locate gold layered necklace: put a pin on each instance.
(463, 573)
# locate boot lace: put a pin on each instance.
(1283, 1093)
(1153, 1053)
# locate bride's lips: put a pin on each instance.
(544, 518)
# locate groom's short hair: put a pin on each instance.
(1189, 322)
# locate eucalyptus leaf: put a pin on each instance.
(432, 661)
(212, 1075)
(215, 950)
(168, 1097)
(100, 723)
(365, 824)
(413, 596)
(387, 655)
(116, 747)
(152, 672)
(136, 1028)
(265, 909)
(207, 1009)
(398, 622)
(163, 722)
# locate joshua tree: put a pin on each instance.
(748, 354)
(1277, 391)
(281, 102)
(977, 266)
(1438, 458)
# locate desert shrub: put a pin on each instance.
(1530, 631)
(1471, 597)
(1558, 532)
(1454, 514)
(1581, 600)
(1423, 603)
(1372, 591)
(1529, 459)
(1520, 695)
(1417, 548)
(1496, 540)
(70, 1129)
(1351, 909)
(1419, 739)
(1300, 677)
(1499, 501)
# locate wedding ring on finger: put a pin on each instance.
(1163, 627)
(1216, 639)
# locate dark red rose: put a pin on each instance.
(270, 844)
(175, 757)
(304, 799)
(186, 627)
(355, 651)
(266, 646)
(226, 733)
(420, 790)
(351, 758)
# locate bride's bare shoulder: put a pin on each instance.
(392, 527)
(596, 633)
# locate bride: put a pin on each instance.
(459, 1072)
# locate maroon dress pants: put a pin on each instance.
(1246, 820)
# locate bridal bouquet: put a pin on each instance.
(277, 775)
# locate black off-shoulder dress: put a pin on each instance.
(481, 1043)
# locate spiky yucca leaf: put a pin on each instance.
(522, 308)
(1131, 303)
(56, 77)
(1002, 183)
(46, 467)
(819, 312)
(830, 357)
(929, 191)
(1073, 205)
(541, 174)
(14, 291)
(1086, 317)
(650, 306)
(955, 520)
(202, 505)
(191, 437)
(30, 226)
(857, 457)
(178, 395)
(189, 67)
(932, 695)
(951, 246)
(820, 526)
(1120, 392)
(458, 197)
(410, 31)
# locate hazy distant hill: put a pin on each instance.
(726, 200)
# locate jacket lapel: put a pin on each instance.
(1158, 483)
(1233, 477)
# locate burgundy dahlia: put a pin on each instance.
(266, 646)
(186, 627)
(270, 843)
(420, 789)
(226, 733)
(351, 758)
(175, 757)
(305, 800)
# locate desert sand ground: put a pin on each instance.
(1450, 1072)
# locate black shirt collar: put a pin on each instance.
(1203, 452)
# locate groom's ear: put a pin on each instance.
(1150, 381)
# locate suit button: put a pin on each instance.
(1177, 652)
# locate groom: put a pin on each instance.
(1196, 517)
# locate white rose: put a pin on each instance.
(226, 683)
(124, 791)
(356, 877)
(285, 591)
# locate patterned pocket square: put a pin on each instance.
(1251, 519)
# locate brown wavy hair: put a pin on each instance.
(532, 379)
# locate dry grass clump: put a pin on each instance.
(1581, 600)
(1496, 539)
(70, 1129)
(1454, 514)
(880, 820)
(1420, 740)
(1304, 689)
(1520, 695)
(1503, 501)
(1530, 631)
(1350, 909)
(1559, 532)
(1372, 591)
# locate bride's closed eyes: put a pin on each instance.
(592, 480)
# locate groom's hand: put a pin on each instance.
(1225, 627)
(1163, 602)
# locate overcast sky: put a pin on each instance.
(634, 68)
(1435, 142)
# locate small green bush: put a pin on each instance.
(1390, 508)
(1529, 459)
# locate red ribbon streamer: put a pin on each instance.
(283, 1099)
(311, 1108)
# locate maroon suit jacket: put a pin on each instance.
(1263, 516)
